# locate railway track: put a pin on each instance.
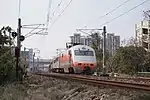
(141, 80)
(98, 82)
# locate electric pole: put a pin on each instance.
(25, 54)
(18, 47)
(33, 62)
(37, 63)
(104, 50)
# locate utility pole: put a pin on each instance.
(18, 47)
(33, 61)
(104, 50)
(25, 53)
(37, 63)
(25, 57)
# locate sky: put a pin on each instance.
(80, 13)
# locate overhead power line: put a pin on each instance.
(125, 13)
(61, 13)
(48, 14)
(19, 8)
(38, 32)
(115, 9)
(32, 30)
(56, 8)
(111, 11)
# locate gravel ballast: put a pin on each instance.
(47, 88)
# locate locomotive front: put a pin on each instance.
(84, 59)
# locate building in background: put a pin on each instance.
(27, 56)
(34, 62)
(77, 38)
(112, 41)
(131, 41)
(42, 64)
(143, 34)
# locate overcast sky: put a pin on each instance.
(77, 15)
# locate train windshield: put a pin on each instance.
(83, 53)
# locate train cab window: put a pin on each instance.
(83, 53)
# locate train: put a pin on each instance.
(76, 59)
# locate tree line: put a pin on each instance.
(7, 60)
(129, 59)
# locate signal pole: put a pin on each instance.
(33, 62)
(104, 50)
(18, 47)
(21, 38)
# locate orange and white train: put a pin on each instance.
(76, 59)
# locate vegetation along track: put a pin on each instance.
(98, 82)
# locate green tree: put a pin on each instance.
(98, 51)
(146, 63)
(128, 60)
(7, 70)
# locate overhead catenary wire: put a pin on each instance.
(19, 8)
(48, 13)
(32, 30)
(58, 5)
(34, 33)
(46, 24)
(61, 13)
(115, 9)
(38, 25)
(111, 11)
(124, 13)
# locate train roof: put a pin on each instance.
(73, 48)
(81, 46)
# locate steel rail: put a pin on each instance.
(135, 78)
(98, 82)
(116, 83)
(125, 78)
